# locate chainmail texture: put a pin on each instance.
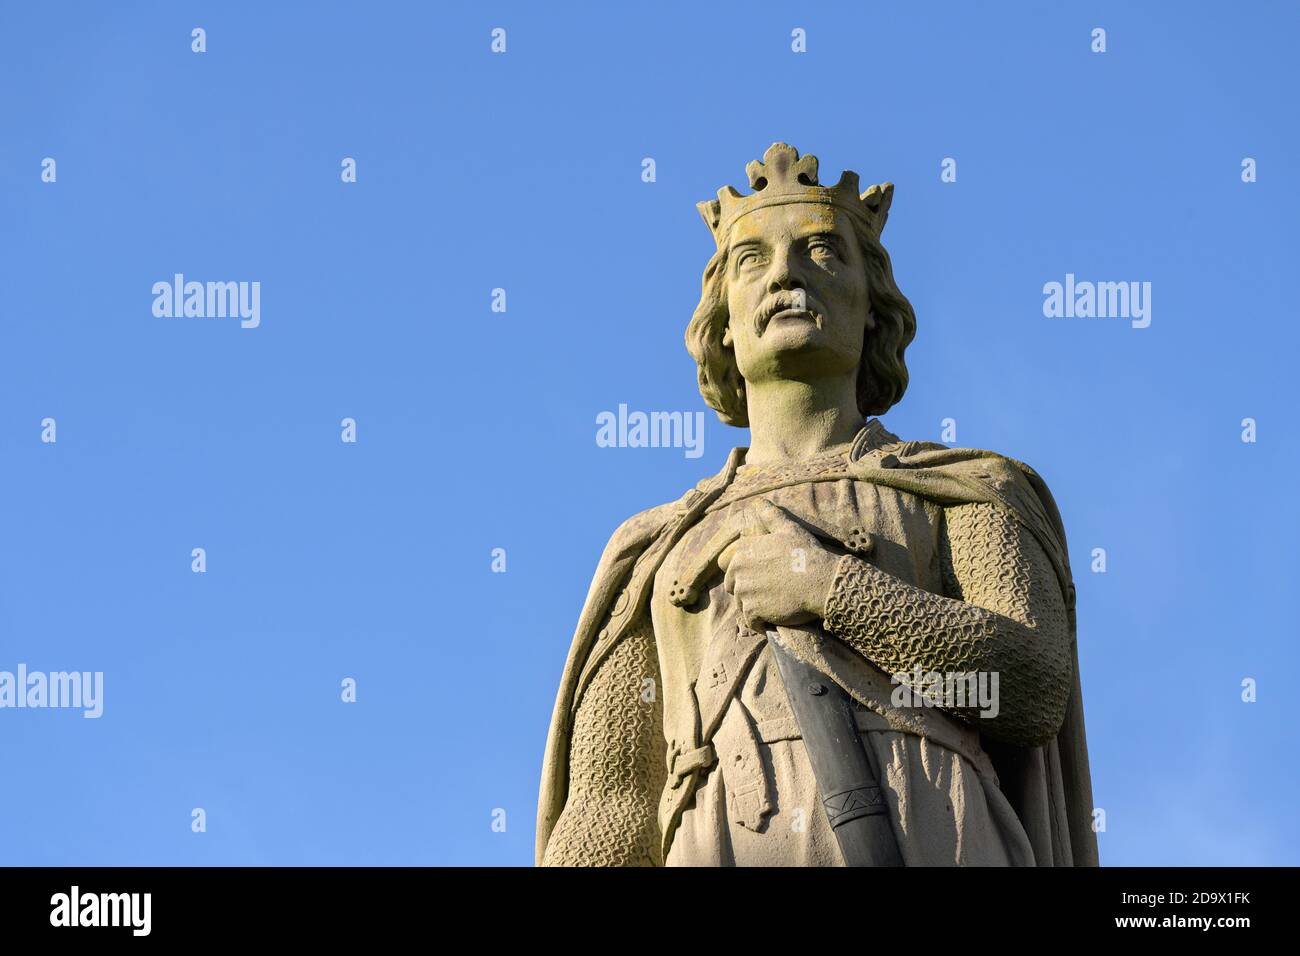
(1006, 615)
(616, 763)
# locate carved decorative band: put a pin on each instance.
(854, 803)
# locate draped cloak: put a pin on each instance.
(1048, 786)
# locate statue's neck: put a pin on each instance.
(790, 420)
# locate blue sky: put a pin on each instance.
(476, 430)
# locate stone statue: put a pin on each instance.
(897, 569)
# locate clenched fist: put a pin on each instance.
(778, 572)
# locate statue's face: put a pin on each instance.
(797, 293)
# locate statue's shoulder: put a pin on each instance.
(980, 463)
(955, 475)
(1006, 478)
(638, 531)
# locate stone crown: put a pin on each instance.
(783, 176)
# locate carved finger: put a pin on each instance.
(729, 552)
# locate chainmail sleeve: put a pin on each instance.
(616, 763)
(1005, 616)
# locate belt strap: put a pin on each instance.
(681, 764)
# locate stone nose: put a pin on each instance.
(783, 274)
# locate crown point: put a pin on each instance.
(783, 176)
(848, 182)
(711, 212)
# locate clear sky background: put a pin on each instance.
(476, 430)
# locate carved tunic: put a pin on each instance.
(710, 770)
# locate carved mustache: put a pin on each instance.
(784, 302)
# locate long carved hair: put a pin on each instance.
(882, 374)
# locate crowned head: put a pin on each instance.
(799, 287)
